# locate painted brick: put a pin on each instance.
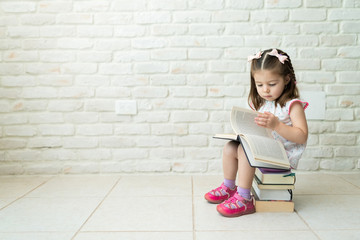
(45, 142)
(207, 5)
(231, 15)
(308, 15)
(64, 65)
(191, 16)
(152, 17)
(95, 31)
(256, 4)
(317, 28)
(340, 64)
(113, 18)
(18, 7)
(342, 40)
(91, 6)
(323, 3)
(188, 91)
(190, 140)
(94, 130)
(167, 5)
(57, 56)
(204, 53)
(189, 116)
(169, 29)
(55, 6)
(129, 31)
(153, 117)
(283, 3)
(210, 104)
(187, 67)
(206, 29)
(20, 131)
(124, 5)
(166, 153)
(74, 18)
(12, 143)
(344, 14)
(349, 52)
(152, 67)
(169, 129)
(269, 15)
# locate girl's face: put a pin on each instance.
(269, 85)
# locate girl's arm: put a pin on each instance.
(297, 133)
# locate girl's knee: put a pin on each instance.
(240, 150)
(241, 154)
(230, 148)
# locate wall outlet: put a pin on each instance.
(126, 107)
(316, 108)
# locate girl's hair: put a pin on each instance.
(273, 64)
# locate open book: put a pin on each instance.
(261, 149)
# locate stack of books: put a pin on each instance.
(272, 189)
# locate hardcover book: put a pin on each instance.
(261, 149)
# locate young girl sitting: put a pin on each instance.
(274, 94)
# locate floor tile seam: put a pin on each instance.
(327, 194)
(138, 231)
(307, 224)
(66, 197)
(28, 192)
(151, 196)
(257, 230)
(97, 207)
(338, 229)
(193, 209)
(350, 182)
(24, 232)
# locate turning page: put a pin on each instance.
(267, 150)
(242, 122)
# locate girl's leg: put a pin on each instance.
(230, 160)
(245, 174)
(241, 202)
(230, 165)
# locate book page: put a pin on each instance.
(232, 137)
(267, 150)
(253, 161)
(242, 122)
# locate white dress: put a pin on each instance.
(293, 150)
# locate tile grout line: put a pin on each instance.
(312, 230)
(349, 182)
(193, 207)
(96, 208)
(18, 198)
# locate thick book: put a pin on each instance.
(275, 177)
(272, 205)
(272, 194)
(262, 186)
(261, 149)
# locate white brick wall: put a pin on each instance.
(64, 64)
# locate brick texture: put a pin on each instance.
(64, 64)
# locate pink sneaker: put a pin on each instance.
(220, 194)
(236, 206)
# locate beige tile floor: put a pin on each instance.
(95, 207)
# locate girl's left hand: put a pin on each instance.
(267, 120)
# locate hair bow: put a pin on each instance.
(275, 53)
(256, 56)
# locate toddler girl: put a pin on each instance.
(273, 93)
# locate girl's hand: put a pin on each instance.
(267, 120)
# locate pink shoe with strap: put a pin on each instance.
(236, 206)
(220, 194)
